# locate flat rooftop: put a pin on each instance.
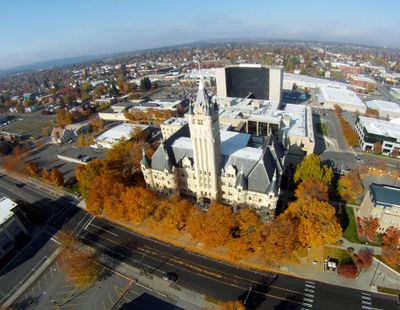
(380, 127)
(232, 144)
(6, 206)
(175, 121)
(312, 80)
(119, 132)
(383, 105)
(340, 96)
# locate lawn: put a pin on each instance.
(341, 255)
(349, 225)
(32, 128)
(322, 128)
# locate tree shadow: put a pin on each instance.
(26, 303)
(255, 295)
(293, 302)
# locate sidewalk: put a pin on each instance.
(377, 275)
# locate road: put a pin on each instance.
(204, 275)
(224, 281)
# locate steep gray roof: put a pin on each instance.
(241, 181)
(158, 161)
(145, 160)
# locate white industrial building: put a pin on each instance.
(386, 109)
(348, 100)
(112, 136)
(371, 130)
(304, 81)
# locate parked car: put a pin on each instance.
(171, 277)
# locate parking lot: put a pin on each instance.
(46, 158)
(52, 291)
(142, 297)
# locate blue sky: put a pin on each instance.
(39, 30)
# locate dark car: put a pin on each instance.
(171, 277)
(19, 185)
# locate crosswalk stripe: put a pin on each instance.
(308, 300)
(366, 297)
(310, 282)
(309, 285)
(368, 294)
(307, 305)
(309, 295)
(366, 307)
(308, 290)
(366, 302)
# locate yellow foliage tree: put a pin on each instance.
(316, 220)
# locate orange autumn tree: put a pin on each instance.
(32, 169)
(176, 214)
(139, 203)
(246, 234)
(390, 247)
(370, 226)
(280, 240)
(214, 227)
(80, 266)
(350, 186)
(312, 188)
(232, 305)
(103, 190)
(316, 220)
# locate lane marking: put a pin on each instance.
(201, 275)
(144, 286)
(192, 265)
(111, 233)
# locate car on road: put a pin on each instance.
(171, 277)
(19, 185)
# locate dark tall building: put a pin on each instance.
(256, 81)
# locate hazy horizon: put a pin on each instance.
(46, 30)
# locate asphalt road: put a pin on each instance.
(224, 281)
(204, 275)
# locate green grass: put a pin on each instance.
(349, 226)
(32, 128)
(350, 231)
(341, 255)
(322, 129)
(74, 189)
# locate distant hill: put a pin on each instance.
(49, 64)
